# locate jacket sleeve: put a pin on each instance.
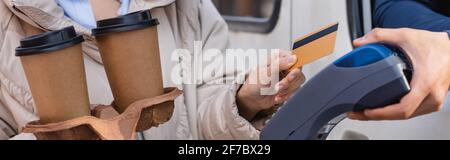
(4, 18)
(4, 123)
(392, 13)
(18, 108)
(218, 116)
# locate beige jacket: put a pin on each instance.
(205, 111)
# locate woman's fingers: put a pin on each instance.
(295, 75)
(287, 62)
(292, 81)
(289, 85)
(292, 88)
(283, 60)
(278, 62)
(281, 98)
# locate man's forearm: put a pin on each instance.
(392, 14)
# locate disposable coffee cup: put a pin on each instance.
(53, 64)
(130, 52)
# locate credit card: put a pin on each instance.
(315, 45)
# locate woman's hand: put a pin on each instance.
(249, 98)
(429, 53)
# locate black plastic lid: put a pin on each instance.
(49, 41)
(128, 22)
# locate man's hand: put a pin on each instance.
(249, 98)
(429, 53)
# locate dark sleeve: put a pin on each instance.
(409, 13)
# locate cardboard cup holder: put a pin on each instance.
(107, 124)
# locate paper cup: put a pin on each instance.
(53, 64)
(130, 52)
